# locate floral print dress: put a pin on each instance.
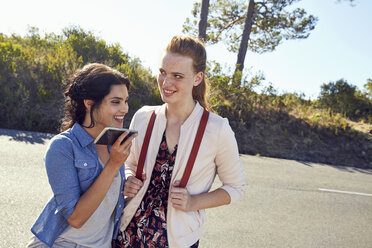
(148, 227)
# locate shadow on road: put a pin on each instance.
(26, 136)
(350, 169)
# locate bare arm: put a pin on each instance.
(182, 200)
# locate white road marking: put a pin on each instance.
(344, 192)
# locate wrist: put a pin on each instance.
(112, 166)
(193, 202)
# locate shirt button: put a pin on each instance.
(116, 220)
(85, 164)
(119, 206)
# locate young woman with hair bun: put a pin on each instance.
(161, 212)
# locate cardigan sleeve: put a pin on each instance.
(229, 167)
(132, 160)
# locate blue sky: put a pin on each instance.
(339, 47)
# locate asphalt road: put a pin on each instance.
(286, 203)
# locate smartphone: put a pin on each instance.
(109, 135)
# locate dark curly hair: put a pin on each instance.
(92, 82)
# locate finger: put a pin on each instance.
(177, 201)
(176, 183)
(128, 194)
(178, 206)
(178, 190)
(128, 141)
(120, 138)
(178, 196)
(127, 148)
(132, 188)
(134, 180)
(143, 177)
(174, 191)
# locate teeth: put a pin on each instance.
(168, 91)
(119, 117)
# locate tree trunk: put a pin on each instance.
(245, 37)
(203, 19)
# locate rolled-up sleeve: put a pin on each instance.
(229, 167)
(62, 175)
(131, 162)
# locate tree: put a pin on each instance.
(93, 49)
(344, 98)
(259, 26)
(368, 87)
(337, 96)
(203, 19)
(245, 38)
(34, 70)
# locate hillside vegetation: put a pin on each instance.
(334, 129)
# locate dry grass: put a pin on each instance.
(360, 126)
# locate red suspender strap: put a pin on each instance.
(195, 149)
(145, 146)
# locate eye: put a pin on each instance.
(116, 102)
(161, 72)
(178, 76)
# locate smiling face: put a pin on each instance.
(111, 111)
(177, 78)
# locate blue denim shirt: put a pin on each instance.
(72, 166)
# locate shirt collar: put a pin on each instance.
(81, 135)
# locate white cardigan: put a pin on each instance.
(218, 153)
